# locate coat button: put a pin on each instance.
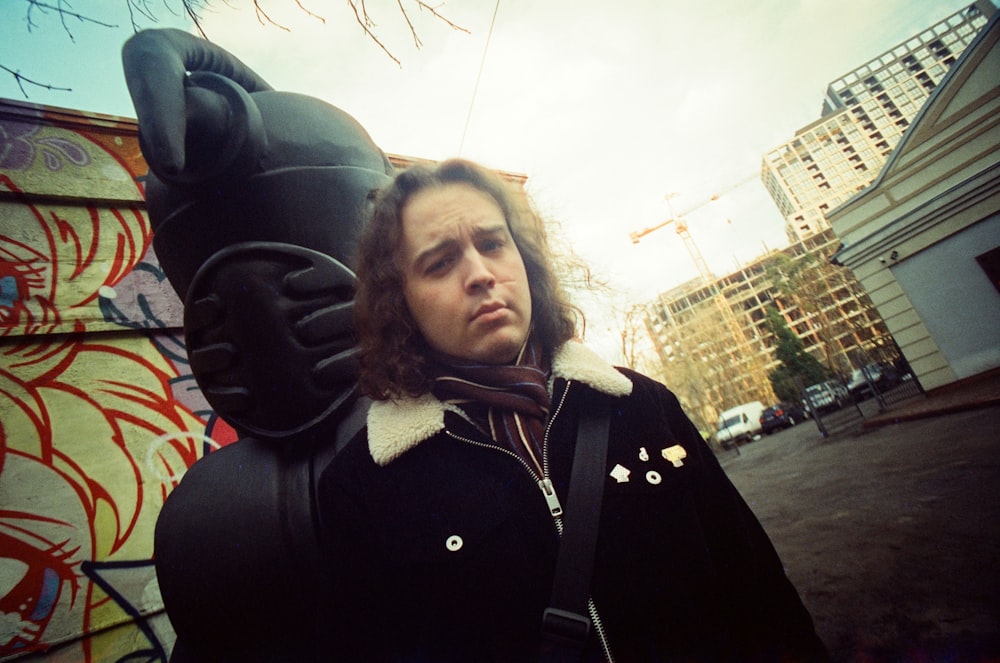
(454, 543)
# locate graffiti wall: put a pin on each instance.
(99, 413)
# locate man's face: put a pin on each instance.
(465, 283)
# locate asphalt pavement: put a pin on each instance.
(889, 526)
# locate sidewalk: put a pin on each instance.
(890, 536)
(978, 392)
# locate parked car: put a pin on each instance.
(739, 424)
(826, 396)
(782, 415)
(883, 376)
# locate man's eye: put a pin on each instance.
(491, 245)
(439, 265)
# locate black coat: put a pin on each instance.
(442, 547)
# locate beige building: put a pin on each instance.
(924, 238)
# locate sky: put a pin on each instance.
(609, 108)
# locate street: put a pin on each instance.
(891, 534)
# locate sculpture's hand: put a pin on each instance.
(331, 325)
(271, 337)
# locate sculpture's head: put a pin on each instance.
(233, 160)
(251, 193)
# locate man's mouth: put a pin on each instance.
(487, 308)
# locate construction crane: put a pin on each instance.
(682, 226)
(689, 244)
(719, 298)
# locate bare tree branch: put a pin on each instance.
(193, 9)
(62, 9)
(423, 6)
(365, 22)
(309, 13)
(21, 80)
(409, 23)
(434, 11)
(142, 10)
(368, 24)
(139, 7)
(193, 15)
(264, 18)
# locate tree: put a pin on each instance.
(795, 361)
(804, 282)
(703, 363)
(631, 325)
(145, 11)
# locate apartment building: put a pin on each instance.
(864, 115)
(710, 336)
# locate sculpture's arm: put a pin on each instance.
(157, 64)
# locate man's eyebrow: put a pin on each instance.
(448, 242)
(431, 251)
(499, 228)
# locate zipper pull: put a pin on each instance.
(549, 491)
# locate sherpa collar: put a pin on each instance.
(396, 426)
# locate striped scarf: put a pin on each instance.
(510, 401)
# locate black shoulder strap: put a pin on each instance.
(566, 622)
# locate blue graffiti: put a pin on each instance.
(8, 291)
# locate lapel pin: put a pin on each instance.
(675, 454)
(620, 474)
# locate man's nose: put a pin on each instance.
(479, 273)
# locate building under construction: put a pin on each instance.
(710, 334)
(714, 343)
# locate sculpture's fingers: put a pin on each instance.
(332, 325)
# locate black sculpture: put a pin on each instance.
(256, 198)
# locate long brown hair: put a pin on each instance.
(393, 352)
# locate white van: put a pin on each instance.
(739, 424)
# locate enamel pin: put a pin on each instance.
(620, 474)
(675, 454)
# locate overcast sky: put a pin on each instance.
(605, 106)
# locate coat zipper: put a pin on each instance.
(599, 627)
(552, 501)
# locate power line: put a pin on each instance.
(475, 90)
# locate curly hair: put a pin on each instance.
(392, 350)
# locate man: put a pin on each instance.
(444, 514)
